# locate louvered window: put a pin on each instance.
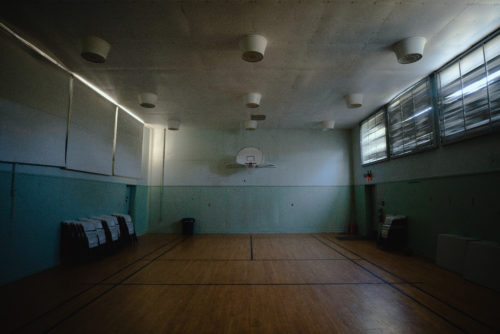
(373, 138)
(469, 92)
(410, 120)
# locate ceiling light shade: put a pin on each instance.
(327, 125)
(148, 100)
(410, 50)
(253, 48)
(354, 100)
(250, 125)
(95, 49)
(173, 124)
(252, 100)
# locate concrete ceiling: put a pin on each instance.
(318, 51)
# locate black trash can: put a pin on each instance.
(188, 226)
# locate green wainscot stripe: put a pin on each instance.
(30, 240)
(251, 209)
(466, 205)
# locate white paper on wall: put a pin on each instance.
(34, 101)
(128, 152)
(90, 132)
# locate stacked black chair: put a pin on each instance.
(90, 238)
(104, 243)
(126, 227)
(112, 230)
(393, 233)
(79, 241)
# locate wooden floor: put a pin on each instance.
(309, 283)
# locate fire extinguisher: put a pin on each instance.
(381, 215)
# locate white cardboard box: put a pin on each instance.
(451, 250)
(482, 264)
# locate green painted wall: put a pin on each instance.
(450, 189)
(140, 209)
(360, 213)
(260, 209)
(29, 236)
(464, 205)
(309, 190)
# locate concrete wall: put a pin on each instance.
(309, 191)
(451, 189)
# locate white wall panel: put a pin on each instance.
(128, 153)
(34, 98)
(91, 131)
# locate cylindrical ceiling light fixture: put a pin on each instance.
(327, 125)
(173, 124)
(253, 48)
(252, 100)
(354, 100)
(95, 49)
(250, 125)
(148, 100)
(409, 50)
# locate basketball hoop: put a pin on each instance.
(250, 164)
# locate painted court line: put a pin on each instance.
(243, 260)
(72, 314)
(249, 284)
(397, 289)
(251, 247)
(64, 302)
(418, 288)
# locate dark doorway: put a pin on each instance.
(370, 211)
(129, 198)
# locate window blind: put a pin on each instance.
(373, 138)
(469, 92)
(410, 120)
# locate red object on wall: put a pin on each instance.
(381, 215)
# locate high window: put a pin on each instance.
(411, 120)
(469, 92)
(373, 138)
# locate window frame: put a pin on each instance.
(382, 109)
(482, 130)
(434, 118)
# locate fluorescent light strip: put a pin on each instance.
(106, 96)
(58, 64)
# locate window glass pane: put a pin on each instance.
(472, 61)
(492, 54)
(449, 74)
(410, 120)
(373, 140)
(469, 92)
(450, 93)
(475, 96)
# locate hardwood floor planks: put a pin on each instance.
(250, 284)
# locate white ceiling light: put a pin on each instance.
(252, 100)
(250, 125)
(173, 124)
(354, 100)
(148, 100)
(95, 49)
(410, 50)
(253, 48)
(327, 125)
